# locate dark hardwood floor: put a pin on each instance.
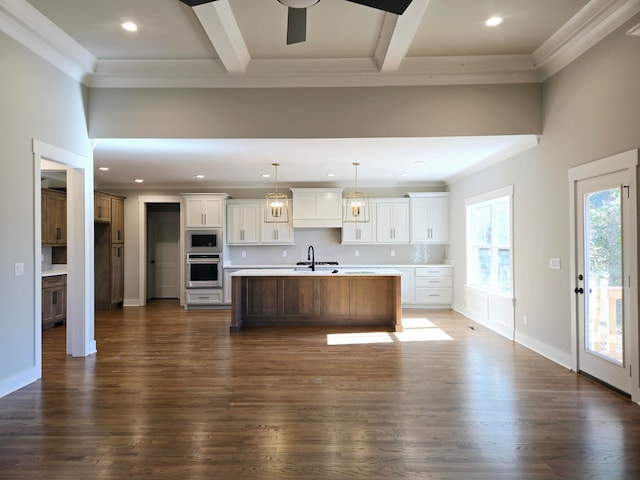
(173, 395)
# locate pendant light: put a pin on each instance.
(355, 205)
(276, 204)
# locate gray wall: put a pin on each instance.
(37, 101)
(316, 112)
(591, 110)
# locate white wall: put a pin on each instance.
(591, 110)
(40, 102)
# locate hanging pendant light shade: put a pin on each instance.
(276, 204)
(355, 205)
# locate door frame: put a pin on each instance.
(80, 269)
(622, 161)
(143, 200)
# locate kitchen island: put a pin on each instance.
(340, 297)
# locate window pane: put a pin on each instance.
(481, 225)
(504, 270)
(502, 223)
(483, 267)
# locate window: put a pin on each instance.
(489, 236)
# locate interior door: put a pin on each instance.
(603, 278)
(163, 252)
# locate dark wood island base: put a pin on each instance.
(303, 299)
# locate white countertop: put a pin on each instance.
(291, 272)
(346, 265)
(55, 270)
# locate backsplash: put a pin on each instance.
(326, 243)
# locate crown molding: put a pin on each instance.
(589, 26)
(28, 26)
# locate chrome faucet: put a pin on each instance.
(311, 255)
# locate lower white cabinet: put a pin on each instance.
(203, 296)
(407, 285)
(434, 285)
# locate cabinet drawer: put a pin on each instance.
(434, 282)
(53, 281)
(204, 297)
(434, 271)
(434, 295)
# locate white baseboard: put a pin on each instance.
(131, 302)
(16, 382)
(557, 356)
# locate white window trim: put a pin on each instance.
(481, 198)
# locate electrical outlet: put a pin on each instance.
(357, 253)
(244, 254)
(525, 320)
(393, 253)
(284, 253)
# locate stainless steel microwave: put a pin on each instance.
(204, 241)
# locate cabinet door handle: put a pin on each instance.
(54, 297)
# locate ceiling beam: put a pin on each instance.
(398, 32)
(221, 27)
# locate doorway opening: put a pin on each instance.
(167, 222)
(163, 251)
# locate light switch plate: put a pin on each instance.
(18, 269)
(554, 263)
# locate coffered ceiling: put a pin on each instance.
(242, 43)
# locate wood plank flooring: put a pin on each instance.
(173, 395)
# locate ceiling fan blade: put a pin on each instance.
(296, 25)
(393, 6)
(193, 3)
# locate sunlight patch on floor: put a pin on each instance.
(358, 338)
(415, 330)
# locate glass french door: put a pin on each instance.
(602, 280)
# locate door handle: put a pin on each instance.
(578, 290)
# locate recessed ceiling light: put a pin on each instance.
(265, 175)
(139, 180)
(130, 26)
(418, 162)
(103, 169)
(405, 174)
(331, 174)
(493, 21)
(199, 176)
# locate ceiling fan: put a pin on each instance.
(297, 15)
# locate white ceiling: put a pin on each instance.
(242, 43)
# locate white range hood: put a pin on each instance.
(317, 207)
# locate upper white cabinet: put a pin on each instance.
(204, 210)
(243, 222)
(317, 207)
(392, 220)
(429, 217)
(275, 233)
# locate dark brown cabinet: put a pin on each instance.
(54, 217)
(108, 250)
(54, 300)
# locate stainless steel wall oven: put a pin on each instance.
(203, 270)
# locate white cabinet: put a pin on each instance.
(407, 285)
(317, 207)
(243, 222)
(275, 233)
(203, 296)
(204, 210)
(434, 285)
(429, 217)
(360, 232)
(392, 220)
